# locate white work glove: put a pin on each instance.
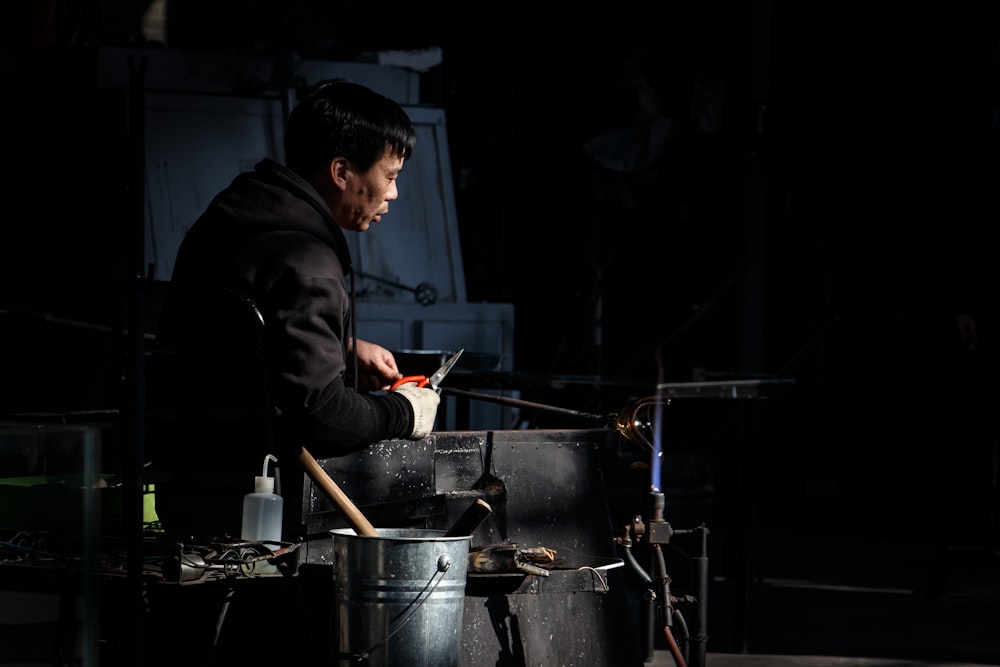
(425, 404)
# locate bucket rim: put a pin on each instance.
(402, 535)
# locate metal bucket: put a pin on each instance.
(400, 596)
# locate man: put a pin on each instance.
(276, 236)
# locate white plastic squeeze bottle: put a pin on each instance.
(262, 512)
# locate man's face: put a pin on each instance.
(366, 198)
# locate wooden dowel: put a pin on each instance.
(471, 519)
(358, 522)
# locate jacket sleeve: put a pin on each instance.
(307, 311)
(344, 421)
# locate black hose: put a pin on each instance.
(635, 565)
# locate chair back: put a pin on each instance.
(209, 418)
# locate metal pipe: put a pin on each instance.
(699, 635)
(134, 458)
(504, 400)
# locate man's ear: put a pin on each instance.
(340, 169)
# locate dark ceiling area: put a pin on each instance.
(717, 188)
(704, 190)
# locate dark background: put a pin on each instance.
(727, 189)
(817, 172)
(733, 189)
(821, 190)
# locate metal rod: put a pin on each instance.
(504, 400)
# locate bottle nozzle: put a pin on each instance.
(269, 457)
(265, 482)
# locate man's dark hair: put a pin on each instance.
(344, 119)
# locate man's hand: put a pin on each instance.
(376, 365)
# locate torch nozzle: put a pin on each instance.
(658, 504)
(659, 530)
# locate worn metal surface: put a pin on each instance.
(546, 488)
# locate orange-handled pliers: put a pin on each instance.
(434, 379)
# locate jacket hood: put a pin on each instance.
(274, 198)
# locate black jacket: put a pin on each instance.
(270, 237)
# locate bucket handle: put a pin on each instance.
(443, 565)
